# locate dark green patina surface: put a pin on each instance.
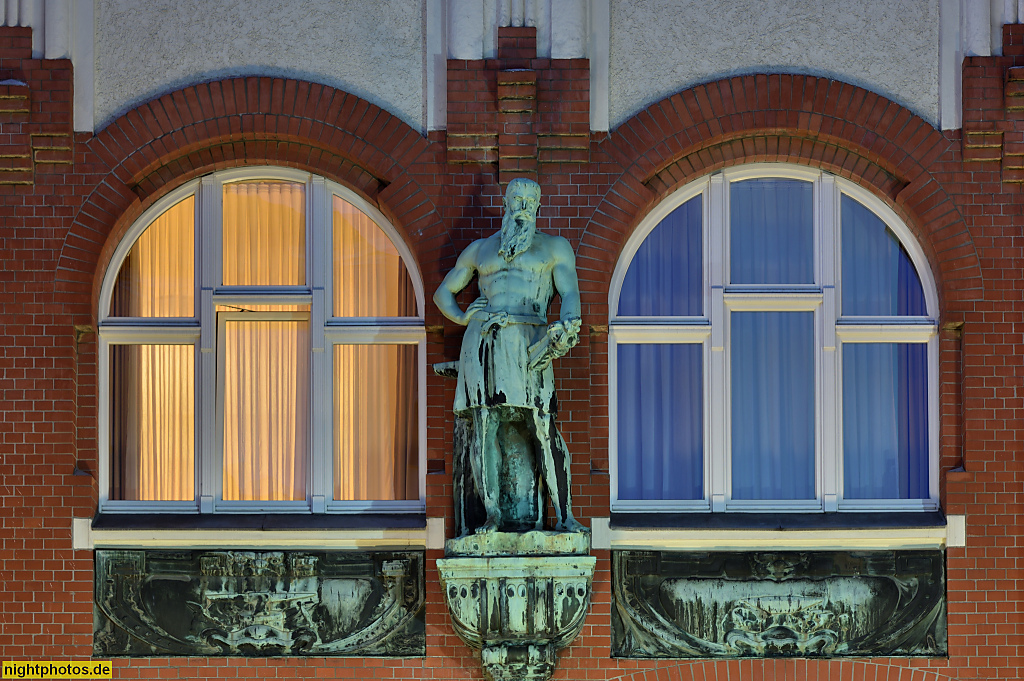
(786, 604)
(259, 603)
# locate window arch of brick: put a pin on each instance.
(199, 129)
(806, 120)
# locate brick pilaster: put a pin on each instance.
(993, 105)
(518, 113)
(35, 132)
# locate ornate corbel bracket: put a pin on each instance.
(520, 599)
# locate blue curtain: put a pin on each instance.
(771, 232)
(660, 421)
(772, 405)
(879, 278)
(885, 421)
(665, 276)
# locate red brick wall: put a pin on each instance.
(59, 222)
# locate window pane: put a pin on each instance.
(376, 422)
(666, 274)
(772, 232)
(152, 422)
(878, 277)
(266, 410)
(773, 405)
(885, 421)
(661, 421)
(157, 278)
(370, 279)
(264, 234)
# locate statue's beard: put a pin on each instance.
(516, 235)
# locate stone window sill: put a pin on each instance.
(779, 532)
(259, 531)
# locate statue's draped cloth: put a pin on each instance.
(493, 366)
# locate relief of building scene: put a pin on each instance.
(259, 603)
(789, 604)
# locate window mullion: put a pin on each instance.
(613, 416)
(103, 419)
(319, 249)
(829, 432)
(319, 243)
(934, 431)
(320, 387)
(421, 386)
(716, 456)
(208, 234)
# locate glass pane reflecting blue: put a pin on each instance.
(661, 422)
(771, 232)
(666, 273)
(772, 405)
(879, 278)
(885, 421)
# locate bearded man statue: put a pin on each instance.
(506, 388)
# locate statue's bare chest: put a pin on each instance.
(531, 264)
(524, 282)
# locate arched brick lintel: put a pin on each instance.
(245, 121)
(798, 119)
(779, 669)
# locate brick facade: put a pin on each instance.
(66, 199)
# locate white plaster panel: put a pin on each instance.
(371, 48)
(466, 30)
(568, 29)
(659, 47)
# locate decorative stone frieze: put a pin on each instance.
(792, 604)
(258, 603)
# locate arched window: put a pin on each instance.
(773, 348)
(261, 349)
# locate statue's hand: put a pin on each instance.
(477, 307)
(561, 337)
(564, 334)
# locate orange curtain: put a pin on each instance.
(376, 448)
(370, 278)
(266, 410)
(264, 239)
(153, 420)
(376, 452)
(153, 386)
(157, 278)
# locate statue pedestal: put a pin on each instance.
(533, 543)
(518, 598)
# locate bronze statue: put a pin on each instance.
(505, 400)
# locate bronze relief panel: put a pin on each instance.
(259, 603)
(785, 604)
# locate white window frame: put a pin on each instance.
(831, 330)
(201, 331)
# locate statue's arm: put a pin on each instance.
(566, 282)
(562, 335)
(455, 281)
